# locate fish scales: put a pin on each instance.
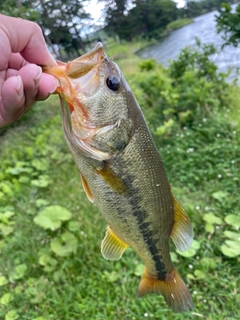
(122, 172)
(136, 211)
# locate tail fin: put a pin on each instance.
(173, 289)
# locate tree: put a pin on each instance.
(115, 16)
(229, 23)
(152, 16)
(61, 21)
(144, 17)
(18, 8)
(195, 8)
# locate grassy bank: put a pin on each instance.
(51, 267)
(178, 24)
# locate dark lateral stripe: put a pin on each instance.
(141, 215)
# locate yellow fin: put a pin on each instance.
(112, 180)
(173, 289)
(112, 247)
(182, 232)
(86, 189)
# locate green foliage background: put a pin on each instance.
(50, 235)
(69, 29)
(228, 23)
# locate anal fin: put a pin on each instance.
(182, 231)
(86, 188)
(112, 247)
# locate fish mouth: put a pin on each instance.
(80, 77)
(81, 66)
(77, 75)
(83, 74)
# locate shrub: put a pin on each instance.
(189, 90)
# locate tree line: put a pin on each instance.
(67, 25)
(149, 18)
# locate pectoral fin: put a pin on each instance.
(86, 188)
(112, 247)
(182, 232)
(113, 180)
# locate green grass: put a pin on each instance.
(37, 171)
(178, 24)
(235, 100)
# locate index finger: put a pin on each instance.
(25, 37)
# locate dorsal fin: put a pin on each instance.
(112, 247)
(182, 231)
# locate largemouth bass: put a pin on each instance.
(122, 172)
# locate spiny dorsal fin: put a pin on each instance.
(86, 188)
(182, 232)
(112, 247)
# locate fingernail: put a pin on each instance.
(54, 88)
(37, 78)
(19, 88)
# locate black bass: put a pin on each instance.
(122, 172)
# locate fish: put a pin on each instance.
(122, 172)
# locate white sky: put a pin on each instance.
(180, 3)
(95, 9)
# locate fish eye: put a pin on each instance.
(113, 83)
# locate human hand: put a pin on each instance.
(22, 81)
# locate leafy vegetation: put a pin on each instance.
(191, 88)
(196, 8)
(150, 19)
(145, 18)
(50, 235)
(62, 22)
(69, 30)
(228, 22)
